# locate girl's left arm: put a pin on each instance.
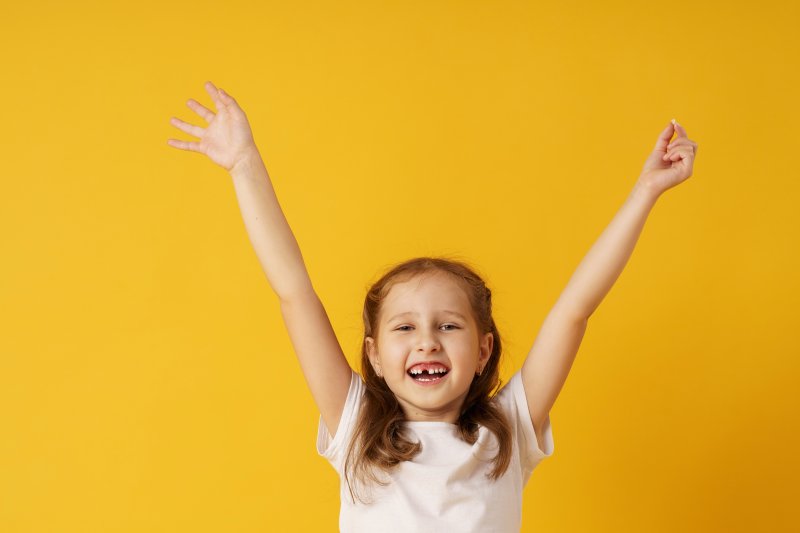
(547, 365)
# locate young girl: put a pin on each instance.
(425, 441)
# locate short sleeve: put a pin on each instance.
(333, 449)
(514, 402)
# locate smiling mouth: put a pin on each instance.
(428, 376)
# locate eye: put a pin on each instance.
(449, 327)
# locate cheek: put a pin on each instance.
(393, 355)
(465, 345)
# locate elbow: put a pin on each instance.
(578, 316)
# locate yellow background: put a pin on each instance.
(146, 379)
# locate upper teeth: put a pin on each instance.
(430, 371)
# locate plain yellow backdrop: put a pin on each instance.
(147, 383)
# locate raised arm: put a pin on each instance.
(547, 365)
(228, 141)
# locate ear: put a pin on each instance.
(487, 343)
(372, 353)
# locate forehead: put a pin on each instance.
(436, 291)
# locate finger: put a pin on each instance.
(664, 137)
(670, 155)
(214, 93)
(681, 141)
(677, 143)
(201, 110)
(679, 131)
(184, 145)
(191, 129)
(683, 153)
(228, 99)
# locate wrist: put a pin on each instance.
(246, 163)
(645, 191)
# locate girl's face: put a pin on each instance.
(428, 346)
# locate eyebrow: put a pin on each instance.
(459, 315)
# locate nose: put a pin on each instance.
(427, 342)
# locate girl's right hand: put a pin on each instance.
(227, 140)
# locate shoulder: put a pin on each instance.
(536, 442)
(511, 394)
(332, 445)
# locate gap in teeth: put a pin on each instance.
(429, 371)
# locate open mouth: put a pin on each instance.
(428, 374)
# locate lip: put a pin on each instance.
(429, 383)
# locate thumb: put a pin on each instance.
(228, 99)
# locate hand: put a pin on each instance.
(671, 162)
(227, 140)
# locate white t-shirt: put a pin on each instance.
(444, 489)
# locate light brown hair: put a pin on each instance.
(379, 443)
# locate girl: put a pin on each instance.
(425, 441)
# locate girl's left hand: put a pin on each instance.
(671, 162)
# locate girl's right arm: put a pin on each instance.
(228, 142)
